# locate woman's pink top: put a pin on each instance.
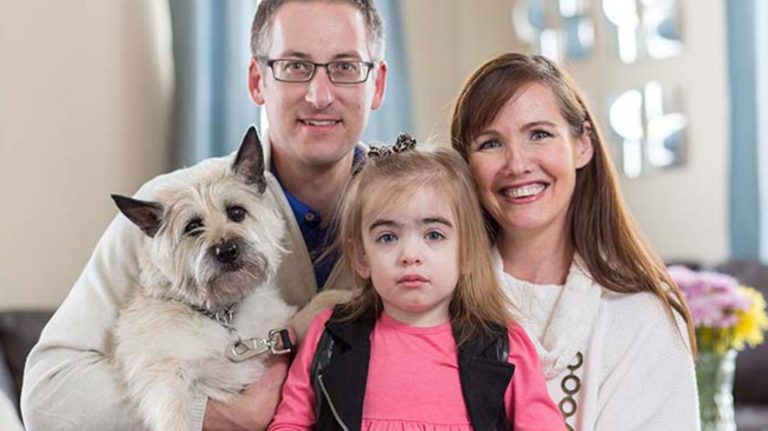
(413, 382)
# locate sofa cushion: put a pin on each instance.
(6, 380)
(750, 385)
(19, 331)
(9, 418)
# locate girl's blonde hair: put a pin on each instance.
(478, 305)
(601, 229)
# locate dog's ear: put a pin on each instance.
(144, 214)
(249, 163)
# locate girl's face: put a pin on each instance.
(411, 254)
(525, 164)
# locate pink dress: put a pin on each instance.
(413, 382)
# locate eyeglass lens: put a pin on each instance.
(338, 71)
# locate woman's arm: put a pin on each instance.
(650, 381)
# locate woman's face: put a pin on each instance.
(525, 164)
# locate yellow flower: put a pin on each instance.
(753, 322)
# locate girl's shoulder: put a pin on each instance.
(516, 332)
(316, 327)
(520, 344)
(323, 301)
(318, 323)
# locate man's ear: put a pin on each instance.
(585, 148)
(256, 81)
(380, 84)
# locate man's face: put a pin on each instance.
(316, 124)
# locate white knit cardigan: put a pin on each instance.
(613, 362)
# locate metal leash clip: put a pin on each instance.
(240, 350)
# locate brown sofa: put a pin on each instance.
(19, 331)
(750, 388)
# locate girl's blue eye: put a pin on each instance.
(491, 143)
(435, 235)
(386, 238)
(538, 135)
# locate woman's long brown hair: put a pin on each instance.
(604, 234)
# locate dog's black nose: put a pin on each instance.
(227, 252)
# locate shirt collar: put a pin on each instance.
(303, 212)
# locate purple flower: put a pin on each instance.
(713, 298)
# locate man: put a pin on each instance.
(317, 112)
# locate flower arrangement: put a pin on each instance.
(725, 314)
(726, 317)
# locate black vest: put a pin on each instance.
(339, 373)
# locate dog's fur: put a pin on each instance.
(203, 252)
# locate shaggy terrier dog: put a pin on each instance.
(206, 283)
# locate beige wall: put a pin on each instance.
(682, 212)
(84, 105)
(446, 40)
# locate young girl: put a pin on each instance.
(428, 343)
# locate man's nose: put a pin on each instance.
(320, 91)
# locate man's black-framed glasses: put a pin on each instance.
(339, 72)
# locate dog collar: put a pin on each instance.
(223, 315)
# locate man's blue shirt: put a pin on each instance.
(316, 236)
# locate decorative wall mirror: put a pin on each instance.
(564, 29)
(644, 28)
(556, 28)
(648, 124)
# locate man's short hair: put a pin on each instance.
(262, 25)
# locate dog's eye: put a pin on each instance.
(193, 227)
(236, 213)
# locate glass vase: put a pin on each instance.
(714, 375)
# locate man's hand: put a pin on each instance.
(254, 408)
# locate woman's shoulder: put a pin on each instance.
(642, 317)
(633, 304)
(320, 320)
(637, 309)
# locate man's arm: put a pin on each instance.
(254, 408)
(69, 382)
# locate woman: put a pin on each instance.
(612, 330)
